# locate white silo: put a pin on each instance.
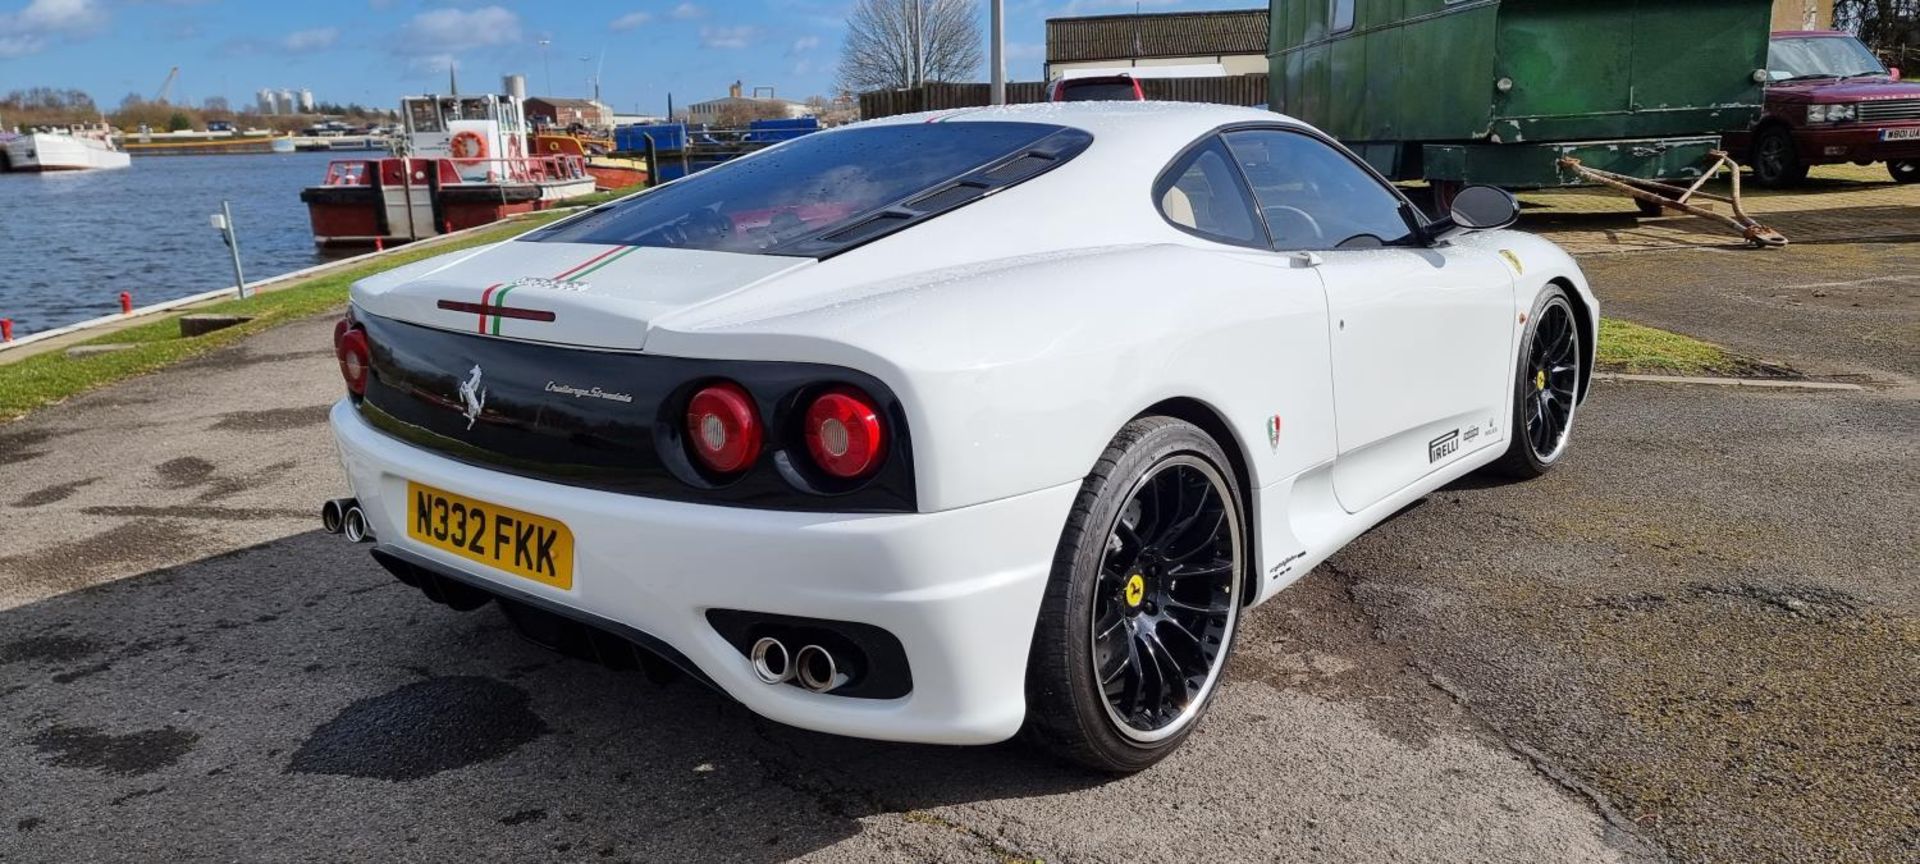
(265, 100)
(516, 86)
(285, 100)
(306, 101)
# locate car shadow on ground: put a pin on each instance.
(295, 690)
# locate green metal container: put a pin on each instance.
(1498, 91)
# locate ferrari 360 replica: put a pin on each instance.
(952, 426)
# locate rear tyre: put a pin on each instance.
(1904, 170)
(1776, 163)
(1141, 609)
(1546, 389)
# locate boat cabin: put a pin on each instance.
(483, 134)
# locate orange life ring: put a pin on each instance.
(468, 147)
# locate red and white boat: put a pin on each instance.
(465, 164)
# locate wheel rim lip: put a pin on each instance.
(1192, 709)
(1773, 153)
(1564, 433)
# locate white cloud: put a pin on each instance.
(431, 64)
(30, 30)
(61, 16)
(316, 39)
(727, 37)
(450, 31)
(802, 45)
(687, 12)
(630, 21)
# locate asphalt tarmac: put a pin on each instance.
(1695, 642)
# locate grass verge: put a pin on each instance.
(47, 378)
(597, 198)
(1638, 349)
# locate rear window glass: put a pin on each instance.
(1098, 91)
(808, 188)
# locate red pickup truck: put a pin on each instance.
(1829, 100)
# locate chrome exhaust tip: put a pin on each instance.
(333, 514)
(816, 670)
(770, 661)
(353, 525)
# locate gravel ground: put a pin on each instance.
(1710, 616)
(1844, 311)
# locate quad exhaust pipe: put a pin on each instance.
(343, 516)
(815, 669)
(771, 664)
(812, 667)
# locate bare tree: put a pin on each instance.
(1890, 27)
(893, 44)
(1881, 23)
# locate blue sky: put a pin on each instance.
(374, 51)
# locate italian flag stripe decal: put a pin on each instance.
(622, 252)
(484, 297)
(571, 274)
(582, 265)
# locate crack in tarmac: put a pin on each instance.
(1640, 842)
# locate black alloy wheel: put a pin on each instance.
(1139, 617)
(1547, 393)
(1775, 161)
(1904, 170)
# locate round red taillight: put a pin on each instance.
(723, 429)
(844, 433)
(340, 329)
(356, 360)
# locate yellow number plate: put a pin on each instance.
(503, 538)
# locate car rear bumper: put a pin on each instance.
(960, 589)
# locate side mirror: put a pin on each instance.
(1476, 208)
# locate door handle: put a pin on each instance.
(1303, 260)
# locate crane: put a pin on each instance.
(166, 87)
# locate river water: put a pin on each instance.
(70, 242)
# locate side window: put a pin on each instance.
(1202, 194)
(1315, 197)
(1340, 19)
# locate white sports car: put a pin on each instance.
(942, 427)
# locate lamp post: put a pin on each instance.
(547, 64)
(223, 222)
(997, 48)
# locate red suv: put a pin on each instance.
(1829, 100)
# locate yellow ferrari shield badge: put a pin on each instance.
(1136, 590)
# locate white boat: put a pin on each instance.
(63, 151)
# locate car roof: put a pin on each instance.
(1118, 119)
